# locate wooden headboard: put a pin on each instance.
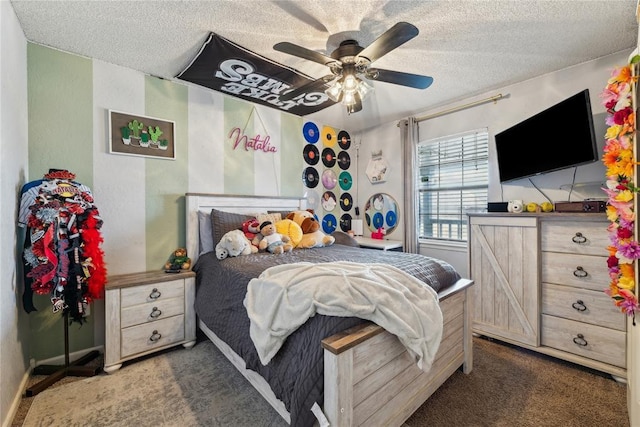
(202, 202)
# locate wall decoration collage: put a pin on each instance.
(327, 177)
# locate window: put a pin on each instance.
(452, 179)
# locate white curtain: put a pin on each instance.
(409, 144)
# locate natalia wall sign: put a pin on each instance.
(143, 136)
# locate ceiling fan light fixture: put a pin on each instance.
(349, 97)
(364, 89)
(335, 91)
(350, 82)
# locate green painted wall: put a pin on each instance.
(166, 181)
(60, 90)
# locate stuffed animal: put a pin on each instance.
(178, 260)
(251, 229)
(234, 243)
(312, 236)
(273, 241)
(291, 229)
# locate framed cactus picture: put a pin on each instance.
(145, 136)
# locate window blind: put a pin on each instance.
(452, 178)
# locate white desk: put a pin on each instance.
(384, 244)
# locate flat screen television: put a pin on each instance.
(559, 137)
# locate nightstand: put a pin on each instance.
(382, 244)
(147, 312)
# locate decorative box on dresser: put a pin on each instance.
(147, 312)
(539, 283)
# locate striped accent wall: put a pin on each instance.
(140, 199)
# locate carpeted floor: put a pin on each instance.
(509, 386)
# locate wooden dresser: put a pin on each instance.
(147, 312)
(539, 283)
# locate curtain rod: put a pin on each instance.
(493, 98)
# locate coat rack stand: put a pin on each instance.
(56, 372)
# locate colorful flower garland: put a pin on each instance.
(619, 160)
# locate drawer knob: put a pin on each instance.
(580, 340)
(579, 238)
(155, 336)
(155, 294)
(579, 305)
(155, 313)
(580, 272)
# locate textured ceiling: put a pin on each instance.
(468, 47)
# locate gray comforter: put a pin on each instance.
(296, 372)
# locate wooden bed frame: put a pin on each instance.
(369, 378)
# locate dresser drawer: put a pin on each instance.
(582, 271)
(145, 337)
(151, 292)
(591, 341)
(594, 307)
(580, 237)
(151, 311)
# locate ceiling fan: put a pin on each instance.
(350, 66)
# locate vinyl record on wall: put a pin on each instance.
(329, 223)
(328, 136)
(311, 154)
(345, 222)
(329, 179)
(311, 132)
(344, 140)
(328, 201)
(344, 161)
(328, 157)
(346, 202)
(310, 177)
(345, 180)
(313, 199)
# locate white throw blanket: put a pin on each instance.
(285, 296)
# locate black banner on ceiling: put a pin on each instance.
(224, 66)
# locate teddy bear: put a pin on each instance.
(178, 260)
(312, 236)
(273, 241)
(234, 243)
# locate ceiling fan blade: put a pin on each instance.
(396, 77)
(394, 37)
(314, 86)
(303, 52)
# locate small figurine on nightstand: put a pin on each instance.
(379, 234)
(178, 261)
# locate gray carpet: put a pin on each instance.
(195, 387)
(509, 386)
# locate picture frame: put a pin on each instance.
(143, 136)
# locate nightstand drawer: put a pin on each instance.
(142, 338)
(594, 307)
(581, 271)
(152, 292)
(595, 342)
(151, 311)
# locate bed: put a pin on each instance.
(354, 371)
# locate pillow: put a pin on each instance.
(205, 232)
(222, 222)
(283, 214)
(290, 229)
(273, 217)
(343, 238)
